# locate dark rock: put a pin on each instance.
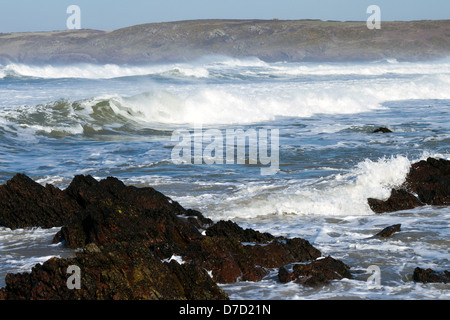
(88, 191)
(108, 223)
(429, 275)
(382, 130)
(196, 218)
(388, 231)
(111, 215)
(195, 282)
(115, 212)
(284, 275)
(230, 260)
(398, 200)
(230, 229)
(316, 273)
(429, 179)
(119, 271)
(25, 203)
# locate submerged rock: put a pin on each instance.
(388, 231)
(315, 273)
(429, 275)
(382, 130)
(429, 180)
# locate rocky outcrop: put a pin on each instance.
(230, 229)
(119, 271)
(129, 235)
(315, 273)
(231, 261)
(25, 203)
(431, 276)
(428, 182)
(398, 200)
(113, 212)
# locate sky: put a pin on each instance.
(49, 15)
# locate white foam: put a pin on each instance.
(252, 103)
(201, 68)
(389, 67)
(229, 62)
(107, 71)
(343, 194)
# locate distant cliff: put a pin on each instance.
(269, 40)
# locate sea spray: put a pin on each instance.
(57, 125)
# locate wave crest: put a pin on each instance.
(108, 71)
(343, 194)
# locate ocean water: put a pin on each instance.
(109, 120)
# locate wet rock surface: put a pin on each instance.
(430, 180)
(230, 260)
(431, 276)
(388, 231)
(398, 200)
(230, 229)
(119, 271)
(129, 237)
(315, 273)
(25, 203)
(427, 183)
(113, 212)
(382, 130)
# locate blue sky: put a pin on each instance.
(35, 15)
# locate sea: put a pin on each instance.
(315, 120)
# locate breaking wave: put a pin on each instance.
(216, 105)
(108, 71)
(220, 65)
(341, 195)
(220, 103)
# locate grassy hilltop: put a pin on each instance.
(270, 40)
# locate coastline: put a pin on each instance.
(268, 40)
